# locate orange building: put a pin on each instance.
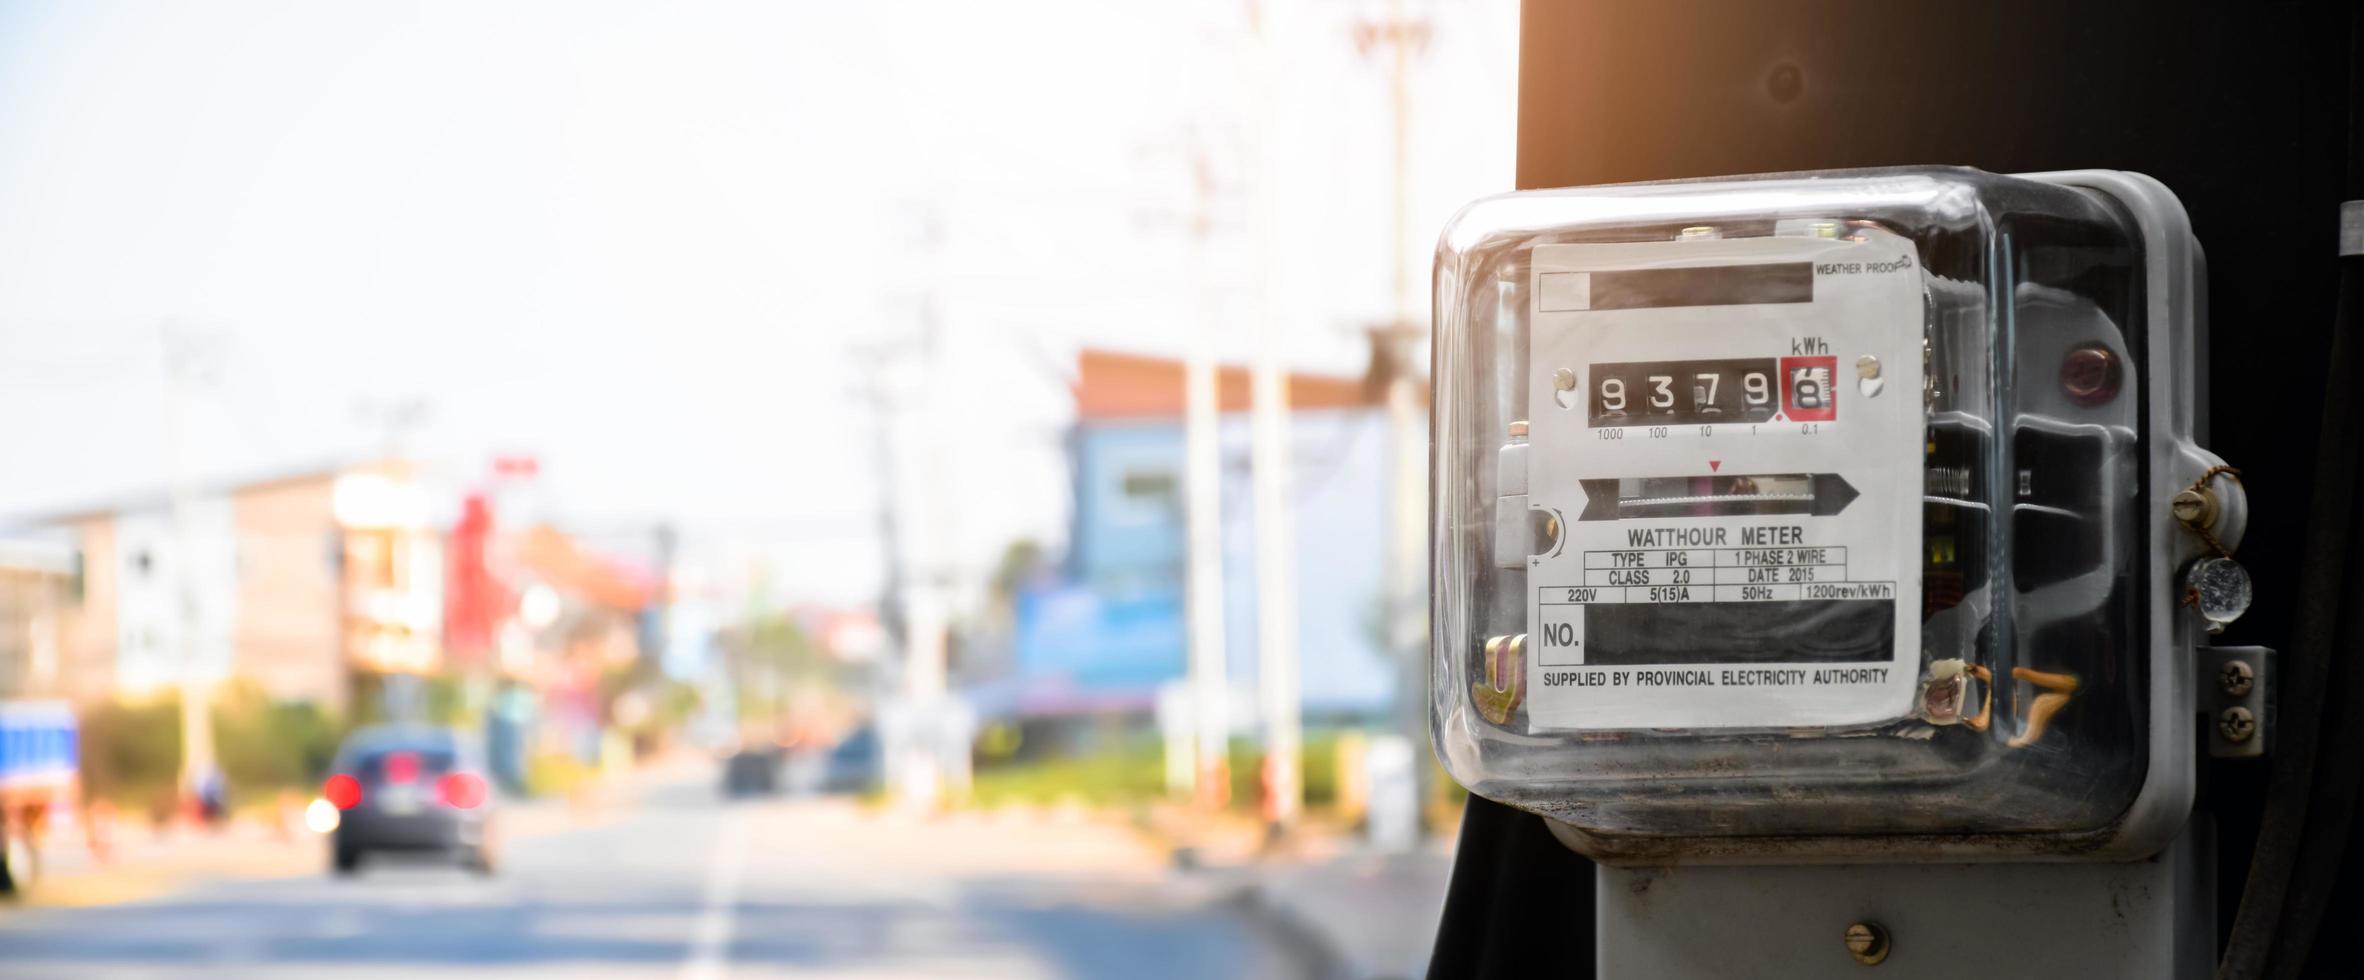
(291, 582)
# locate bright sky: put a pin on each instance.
(640, 241)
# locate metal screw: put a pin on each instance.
(2187, 506)
(1867, 942)
(1867, 366)
(2195, 507)
(1518, 429)
(2236, 679)
(2236, 724)
(1564, 379)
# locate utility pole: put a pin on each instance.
(1202, 468)
(403, 697)
(1270, 450)
(871, 365)
(1200, 748)
(927, 743)
(187, 361)
(1397, 347)
(907, 608)
(1276, 581)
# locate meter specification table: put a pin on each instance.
(1721, 589)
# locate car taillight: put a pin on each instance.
(342, 790)
(402, 767)
(464, 790)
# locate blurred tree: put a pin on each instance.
(265, 744)
(681, 702)
(131, 752)
(981, 646)
(773, 660)
(442, 700)
(1021, 562)
(131, 749)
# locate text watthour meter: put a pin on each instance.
(1827, 515)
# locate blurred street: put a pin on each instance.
(678, 883)
(910, 488)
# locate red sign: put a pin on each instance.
(474, 599)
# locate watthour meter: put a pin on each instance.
(1829, 514)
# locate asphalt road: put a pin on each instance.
(679, 884)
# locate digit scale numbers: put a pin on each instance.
(1751, 390)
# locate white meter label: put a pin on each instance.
(1726, 445)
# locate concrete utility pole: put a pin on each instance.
(1276, 534)
(1276, 582)
(908, 606)
(871, 366)
(1202, 469)
(928, 752)
(1398, 345)
(187, 361)
(403, 697)
(1198, 746)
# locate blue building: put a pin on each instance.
(1111, 627)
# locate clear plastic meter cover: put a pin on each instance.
(1796, 505)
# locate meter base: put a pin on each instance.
(2152, 918)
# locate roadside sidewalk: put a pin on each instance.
(146, 863)
(1374, 915)
(1361, 913)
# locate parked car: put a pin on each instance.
(857, 764)
(410, 789)
(752, 771)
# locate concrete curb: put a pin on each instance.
(1316, 956)
(1377, 913)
